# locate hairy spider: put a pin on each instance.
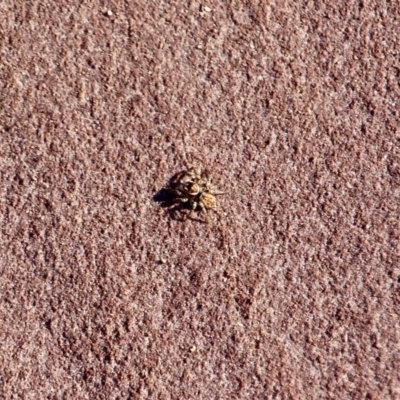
(194, 190)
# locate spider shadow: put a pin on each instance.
(165, 196)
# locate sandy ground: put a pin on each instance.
(291, 291)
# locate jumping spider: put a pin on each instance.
(192, 189)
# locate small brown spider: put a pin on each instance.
(194, 190)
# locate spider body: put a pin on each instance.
(193, 190)
(208, 200)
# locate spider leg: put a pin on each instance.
(177, 178)
(191, 175)
(181, 199)
(206, 174)
(193, 206)
(216, 192)
(203, 211)
(196, 175)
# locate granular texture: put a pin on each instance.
(292, 289)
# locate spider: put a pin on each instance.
(193, 190)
